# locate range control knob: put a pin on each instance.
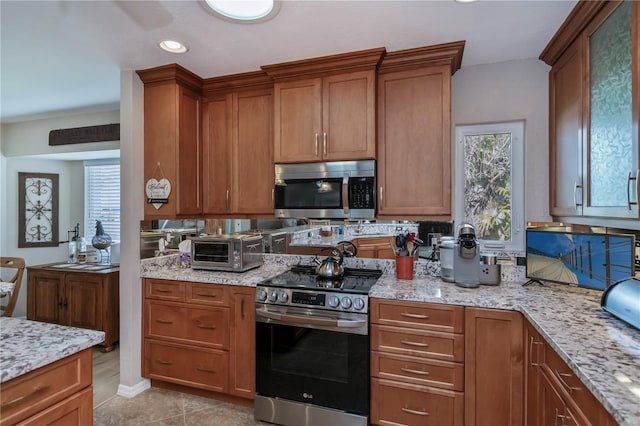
(334, 301)
(345, 303)
(273, 296)
(261, 295)
(283, 297)
(358, 304)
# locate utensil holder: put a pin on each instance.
(404, 267)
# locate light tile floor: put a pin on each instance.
(160, 407)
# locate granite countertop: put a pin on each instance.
(27, 345)
(603, 351)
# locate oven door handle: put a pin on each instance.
(306, 320)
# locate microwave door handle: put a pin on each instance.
(345, 193)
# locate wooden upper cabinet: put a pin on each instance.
(324, 108)
(172, 147)
(566, 129)
(414, 131)
(238, 170)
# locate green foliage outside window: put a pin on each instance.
(488, 184)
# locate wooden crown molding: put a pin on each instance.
(242, 81)
(345, 62)
(580, 16)
(439, 54)
(171, 72)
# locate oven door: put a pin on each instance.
(313, 357)
(212, 254)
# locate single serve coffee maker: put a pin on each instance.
(467, 257)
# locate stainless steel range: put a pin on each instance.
(312, 348)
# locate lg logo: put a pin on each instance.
(307, 395)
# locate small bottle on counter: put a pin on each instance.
(82, 250)
(72, 252)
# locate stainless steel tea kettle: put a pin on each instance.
(331, 266)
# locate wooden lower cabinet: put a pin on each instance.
(77, 298)
(375, 247)
(494, 376)
(200, 335)
(554, 394)
(60, 393)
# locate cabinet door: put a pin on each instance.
(533, 345)
(611, 145)
(217, 125)
(188, 151)
(242, 350)
(348, 116)
(552, 408)
(297, 121)
(252, 158)
(414, 137)
(84, 298)
(566, 133)
(45, 297)
(77, 410)
(493, 367)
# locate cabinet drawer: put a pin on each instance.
(164, 290)
(186, 365)
(26, 395)
(207, 294)
(205, 326)
(445, 318)
(569, 385)
(394, 403)
(77, 410)
(421, 371)
(422, 343)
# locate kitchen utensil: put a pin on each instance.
(401, 245)
(331, 266)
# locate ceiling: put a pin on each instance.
(63, 56)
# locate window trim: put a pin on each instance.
(517, 129)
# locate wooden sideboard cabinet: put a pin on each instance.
(199, 335)
(76, 297)
(417, 363)
(553, 393)
(60, 393)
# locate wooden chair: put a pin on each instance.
(10, 289)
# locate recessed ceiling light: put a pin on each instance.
(172, 46)
(243, 10)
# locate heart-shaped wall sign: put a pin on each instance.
(158, 192)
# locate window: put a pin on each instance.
(102, 197)
(490, 183)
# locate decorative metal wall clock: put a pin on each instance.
(38, 209)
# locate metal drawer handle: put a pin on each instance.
(410, 315)
(206, 327)
(164, 362)
(560, 377)
(315, 144)
(629, 180)
(206, 295)
(531, 343)
(410, 343)
(206, 370)
(23, 397)
(162, 290)
(412, 371)
(161, 321)
(419, 413)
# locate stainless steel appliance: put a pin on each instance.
(622, 299)
(340, 189)
(312, 348)
(275, 241)
(226, 252)
(467, 257)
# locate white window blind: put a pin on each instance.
(102, 198)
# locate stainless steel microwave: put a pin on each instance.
(227, 252)
(339, 189)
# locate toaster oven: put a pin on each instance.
(227, 252)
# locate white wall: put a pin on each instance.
(32, 137)
(507, 91)
(69, 212)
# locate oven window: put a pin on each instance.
(304, 352)
(212, 252)
(310, 193)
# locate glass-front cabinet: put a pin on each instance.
(594, 102)
(611, 168)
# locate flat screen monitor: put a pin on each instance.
(585, 260)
